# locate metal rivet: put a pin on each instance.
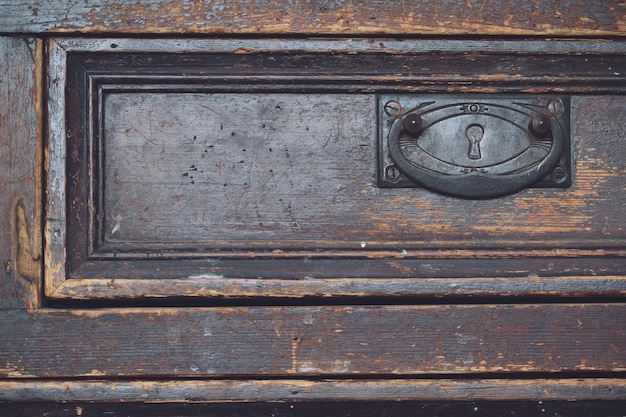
(412, 123)
(540, 125)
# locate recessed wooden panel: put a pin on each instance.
(248, 168)
(222, 168)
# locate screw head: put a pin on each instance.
(392, 173)
(559, 174)
(555, 107)
(392, 108)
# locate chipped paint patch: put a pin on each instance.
(206, 276)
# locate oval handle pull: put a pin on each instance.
(482, 148)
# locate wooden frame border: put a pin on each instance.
(171, 17)
(187, 282)
(39, 346)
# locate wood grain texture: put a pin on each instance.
(303, 342)
(214, 162)
(298, 169)
(410, 17)
(530, 352)
(195, 391)
(212, 289)
(20, 205)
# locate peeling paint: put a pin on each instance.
(206, 276)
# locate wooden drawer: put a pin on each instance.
(248, 168)
(202, 211)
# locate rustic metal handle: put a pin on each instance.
(440, 145)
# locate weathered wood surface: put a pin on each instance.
(194, 391)
(186, 163)
(301, 342)
(409, 17)
(20, 228)
(288, 171)
(298, 169)
(85, 350)
(214, 289)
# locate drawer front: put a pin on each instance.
(251, 169)
(201, 205)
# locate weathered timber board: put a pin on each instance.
(20, 203)
(193, 390)
(314, 341)
(410, 17)
(237, 167)
(216, 290)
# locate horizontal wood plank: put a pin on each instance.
(558, 389)
(411, 17)
(211, 289)
(314, 341)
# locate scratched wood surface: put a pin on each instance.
(409, 17)
(499, 352)
(238, 167)
(306, 391)
(299, 170)
(20, 204)
(302, 342)
(199, 167)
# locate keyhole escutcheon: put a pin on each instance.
(474, 134)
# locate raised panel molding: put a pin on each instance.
(247, 168)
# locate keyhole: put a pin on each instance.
(474, 134)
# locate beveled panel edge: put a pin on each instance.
(606, 77)
(322, 44)
(211, 286)
(141, 391)
(54, 230)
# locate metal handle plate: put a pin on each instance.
(473, 146)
